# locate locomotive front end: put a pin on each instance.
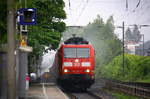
(77, 66)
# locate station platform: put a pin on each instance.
(45, 91)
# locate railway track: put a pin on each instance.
(133, 88)
(83, 95)
(95, 92)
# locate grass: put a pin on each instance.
(145, 80)
(119, 95)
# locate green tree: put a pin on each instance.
(113, 44)
(128, 34)
(105, 41)
(3, 21)
(47, 32)
(50, 14)
(136, 68)
(136, 34)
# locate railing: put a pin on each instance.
(132, 88)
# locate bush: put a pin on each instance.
(136, 68)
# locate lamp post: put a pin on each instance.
(122, 27)
(123, 43)
(143, 43)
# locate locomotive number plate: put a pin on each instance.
(76, 64)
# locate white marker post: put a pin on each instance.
(27, 82)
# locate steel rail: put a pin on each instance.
(75, 96)
(96, 96)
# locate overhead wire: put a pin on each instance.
(85, 2)
(79, 5)
(82, 10)
(134, 11)
(137, 5)
(129, 12)
(69, 5)
(70, 10)
(84, 7)
(140, 11)
(145, 6)
(127, 5)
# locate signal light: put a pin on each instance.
(27, 16)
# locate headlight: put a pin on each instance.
(65, 70)
(86, 64)
(67, 63)
(87, 70)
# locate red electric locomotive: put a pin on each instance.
(76, 63)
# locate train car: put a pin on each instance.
(76, 63)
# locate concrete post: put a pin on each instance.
(3, 75)
(11, 68)
(23, 65)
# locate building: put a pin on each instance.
(130, 47)
(143, 50)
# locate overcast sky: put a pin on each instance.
(81, 12)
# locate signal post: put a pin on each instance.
(27, 16)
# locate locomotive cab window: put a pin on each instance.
(83, 52)
(76, 52)
(70, 52)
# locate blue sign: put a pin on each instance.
(27, 16)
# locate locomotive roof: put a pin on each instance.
(76, 40)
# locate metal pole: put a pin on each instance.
(23, 63)
(143, 44)
(123, 45)
(11, 69)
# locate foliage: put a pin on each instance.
(3, 22)
(50, 14)
(48, 30)
(123, 96)
(134, 35)
(128, 34)
(3, 19)
(105, 42)
(136, 68)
